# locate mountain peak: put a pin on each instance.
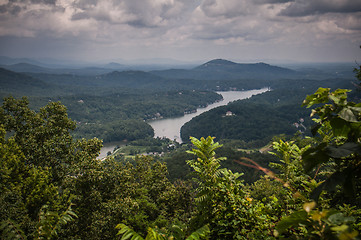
(219, 62)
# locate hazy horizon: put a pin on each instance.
(171, 62)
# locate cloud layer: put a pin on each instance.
(170, 27)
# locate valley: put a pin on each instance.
(149, 170)
(116, 105)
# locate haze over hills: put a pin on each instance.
(19, 84)
(87, 71)
(28, 68)
(218, 74)
(170, 68)
(10, 61)
(223, 69)
(9, 77)
(212, 70)
(115, 64)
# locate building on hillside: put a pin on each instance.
(229, 113)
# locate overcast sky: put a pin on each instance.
(188, 30)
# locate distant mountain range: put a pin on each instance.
(218, 74)
(223, 69)
(117, 64)
(87, 71)
(10, 61)
(212, 70)
(18, 84)
(9, 78)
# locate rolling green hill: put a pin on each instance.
(17, 84)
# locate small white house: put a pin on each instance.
(229, 113)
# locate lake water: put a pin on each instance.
(170, 127)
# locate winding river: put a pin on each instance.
(170, 127)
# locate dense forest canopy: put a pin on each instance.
(52, 186)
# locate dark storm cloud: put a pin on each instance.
(301, 8)
(135, 13)
(10, 8)
(111, 27)
(14, 7)
(350, 21)
(50, 2)
(272, 1)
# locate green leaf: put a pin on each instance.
(315, 156)
(200, 233)
(341, 228)
(320, 96)
(348, 115)
(127, 232)
(293, 220)
(330, 185)
(337, 218)
(343, 150)
(355, 109)
(153, 235)
(340, 127)
(10, 230)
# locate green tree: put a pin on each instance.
(38, 159)
(342, 147)
(43, 137)
(335, 150)
(222, 201)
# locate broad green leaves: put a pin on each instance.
(327, 224)
(156, 234)
(50, 222)
(343, 146)
(127, 233)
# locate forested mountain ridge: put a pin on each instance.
(216, 69)
(82, 71)
(112, 107)
(258, 118)
(219, 69)
(262, 116)
(27, 67)
(221, 66)
(20, 84)
(132, 79)
(107, 99)
(8, 77)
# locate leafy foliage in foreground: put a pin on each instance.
(221, 199)
(175, 233)
(342, 120)
(42, 165)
